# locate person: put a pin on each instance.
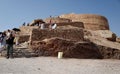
(10, 42)
(8, 33)
(16, 39)
(50, 19)
(23, 24)
(3, 42)
(0, 37)
(54, 26)
(42, 26)
(28, 24)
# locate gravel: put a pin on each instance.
(52, 65)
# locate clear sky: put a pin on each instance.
(14, 12)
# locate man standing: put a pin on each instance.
(10, 42)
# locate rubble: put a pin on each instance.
(73, 49)
(70, 49)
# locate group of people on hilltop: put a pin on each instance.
(51, 26)
(42, 25)
(7, 41)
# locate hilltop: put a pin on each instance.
(76, 35)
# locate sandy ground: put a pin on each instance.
(52, 65)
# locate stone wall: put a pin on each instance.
(57, 20)
(91, 21)
(107, 34)
(74, 24)
(72, 34)
(26, 30)
(118, 39)
(24, 38)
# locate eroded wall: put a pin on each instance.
(90, 21)
(71, 34)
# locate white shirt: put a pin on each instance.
(8, 34)
(54, 26)
(42, 26)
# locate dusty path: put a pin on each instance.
(52, 65)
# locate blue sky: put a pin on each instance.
(14, 12)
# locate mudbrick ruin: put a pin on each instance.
(76, 35)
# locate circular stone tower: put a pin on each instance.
(90, 21)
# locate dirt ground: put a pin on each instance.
(52, 65)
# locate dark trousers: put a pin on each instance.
(9, 50)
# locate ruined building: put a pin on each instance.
(76, 35)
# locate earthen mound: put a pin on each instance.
(51, 47)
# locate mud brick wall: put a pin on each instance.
(91, 26)
(24, 38)
(118, 39)
(57, 20)
(74, 24)
(72, 34)
(26, 30)
(91, 21)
